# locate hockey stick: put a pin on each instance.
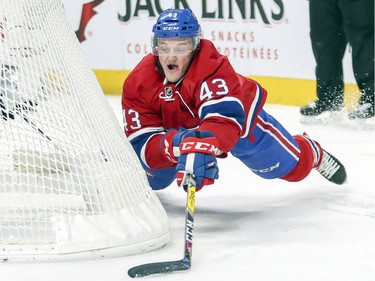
(185, 262)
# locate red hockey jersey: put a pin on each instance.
(211, 97)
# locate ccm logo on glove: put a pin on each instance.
(191, 145)
(198, 156)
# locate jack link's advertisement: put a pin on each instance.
(262, 38)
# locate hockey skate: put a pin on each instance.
(321, 112)
(331, 168)
(363, 116)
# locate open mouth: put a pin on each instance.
(172, 66)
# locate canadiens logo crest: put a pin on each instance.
(149, 174)
(167, 95)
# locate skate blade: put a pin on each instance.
(361, 124)
(325, 118)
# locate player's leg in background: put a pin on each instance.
(359, 29)
(328, 43)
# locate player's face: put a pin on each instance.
(175, 56)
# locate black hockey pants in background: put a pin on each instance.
(334, 24)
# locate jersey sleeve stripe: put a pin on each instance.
(228, 107)
(145, 131)
(225, 117)
(219, 101)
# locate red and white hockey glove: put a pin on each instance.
(198, 156)
(170, 143)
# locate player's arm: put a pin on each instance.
(189, 150)
(221, 108)
(222, 116)
(144, 131)
(233, 116)
(142, 124)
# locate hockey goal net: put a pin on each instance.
(70, 184)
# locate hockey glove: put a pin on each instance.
(171, 143)
(198, 156)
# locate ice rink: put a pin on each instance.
(247, 228)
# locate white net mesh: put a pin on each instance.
(69, 180)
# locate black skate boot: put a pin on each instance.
(363, 115)
(363, 111)
(321, 111)
(331, 168)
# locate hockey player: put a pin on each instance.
(184, 106)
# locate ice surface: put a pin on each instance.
(247, 228)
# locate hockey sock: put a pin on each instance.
(309, 158)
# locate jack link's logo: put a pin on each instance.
(167, 95)
(87, 13)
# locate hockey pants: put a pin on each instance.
(275, 153)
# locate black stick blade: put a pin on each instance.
(158, 268)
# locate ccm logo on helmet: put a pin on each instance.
(171, 28)
(197, 146)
